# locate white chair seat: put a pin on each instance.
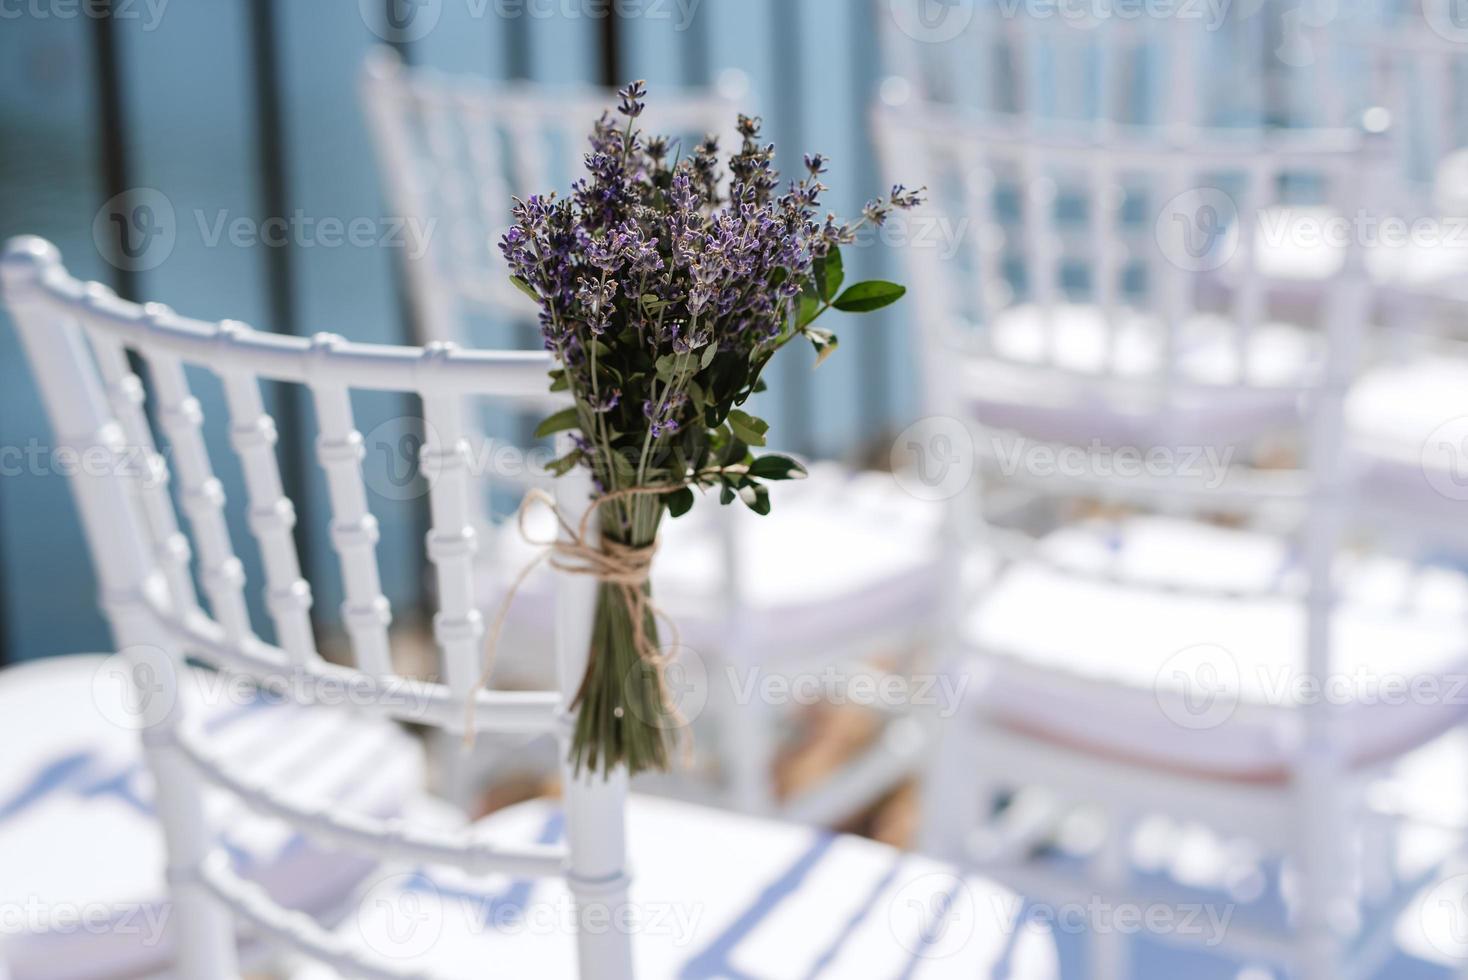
(78, 833)
(1297, 255)
(713, 895)
(1393, 412)
(1109, 394)
(840, 555)
(1211, 684)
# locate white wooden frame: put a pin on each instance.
(978, 757)
(74, 336)
(1086, 55)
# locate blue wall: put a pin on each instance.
(193, 103)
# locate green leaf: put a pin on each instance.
(755, 497)
(749, 429)
(709, 353)
(824, 341)
(668, 366)
(562, 466)
(525, 288)
(626, 474)
(679, 502)
(830, 273)
(559, 380)
(809, 307)
(867, 296)
(773, 466)
(565, 419)
(734, 453)
(726, 493)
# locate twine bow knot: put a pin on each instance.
(612, 562)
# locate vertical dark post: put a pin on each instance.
(112, 165)
(611, 53)
(111, 113)
(409, 332)
(693, 44)
(517, 46)
(279, 278)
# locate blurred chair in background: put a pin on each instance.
(842, 572)
(78, 814)
(713, 871)
(1150, 637)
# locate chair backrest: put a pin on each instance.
(1007, 58)
(455, 151)
(1415, 66)
(77, 338)
(1153, 233)
(1013, 189)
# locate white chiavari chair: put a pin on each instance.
(1033, 65)
(841, 569)
(1125, 662)
(56, 316)
(456, 151)
(78, 837)
(855, 901)
(1078, 301)
(1406, 63)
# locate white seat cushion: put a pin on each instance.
(840, 555)
(1290, 248)
(713, 895)
(1106, 394)
(1397, 414)
(78, 830)
(1212, 684)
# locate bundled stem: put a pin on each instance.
(625, 717)
(666, 281)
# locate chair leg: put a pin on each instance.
(1110, 948)
(952, 802)
(747, 744)
(1323, 885)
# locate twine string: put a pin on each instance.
(625, 566)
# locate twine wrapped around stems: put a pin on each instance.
(627, 567)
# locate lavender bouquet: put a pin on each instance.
(664, 288)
